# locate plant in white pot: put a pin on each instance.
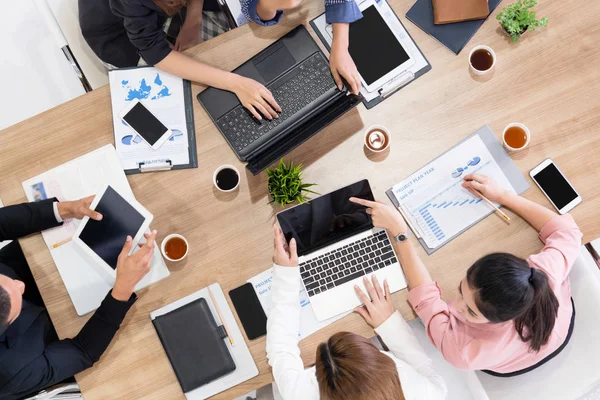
(518, 18)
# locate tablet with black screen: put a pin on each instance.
(376, 50)
(103, 240)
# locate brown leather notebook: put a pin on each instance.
(449, 11)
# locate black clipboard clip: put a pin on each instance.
(155, 165)
(396, 84)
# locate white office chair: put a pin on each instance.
(61, 18)
(575, 372)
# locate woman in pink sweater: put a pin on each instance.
(511, 314)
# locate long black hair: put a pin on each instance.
(506, 288)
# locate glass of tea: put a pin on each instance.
(226, 178)
(377, 138)
(174, 247)
(516, 136)
(482, 59)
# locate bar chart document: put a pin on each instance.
(433, 200)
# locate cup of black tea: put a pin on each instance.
(377, 138)
(482, 59)
(226, 178)
(174, 247)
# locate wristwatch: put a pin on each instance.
(401, 237)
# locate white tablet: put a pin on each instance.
(103, 240)
(376, 49)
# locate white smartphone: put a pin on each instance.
(555, 186)
(145, 124)
(102, 241)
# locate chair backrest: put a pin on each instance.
(62, 19)
(574, 372)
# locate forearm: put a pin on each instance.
(341, 34)
(194, 12)
(414, 270)
(264, 12)
(27, 218)
(181, 65)
(535, 214)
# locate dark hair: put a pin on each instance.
(170, 7)
(4, 309)
(507, 288)
(348, 366)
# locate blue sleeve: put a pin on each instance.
(249, 12)
(341, 11)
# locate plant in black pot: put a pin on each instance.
(285, 184)
(518, 18)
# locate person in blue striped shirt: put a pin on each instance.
(339, 13)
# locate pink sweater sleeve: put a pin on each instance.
(562, 241)
(443, 329)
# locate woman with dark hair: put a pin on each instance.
(512, 314)
(347, 366)
(127, 33)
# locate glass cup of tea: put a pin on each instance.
(377, 138)
(482, 59)
(226, 178)
(174, 247)
(515, 137)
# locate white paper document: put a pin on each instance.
(436, 204)
(409, 45)
(308, 322)
(163, 94)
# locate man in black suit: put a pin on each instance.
(31, 356)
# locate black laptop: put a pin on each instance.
(297, 72)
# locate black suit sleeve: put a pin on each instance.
(27, 218)
(65, 358)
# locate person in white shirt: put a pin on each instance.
(347, 366)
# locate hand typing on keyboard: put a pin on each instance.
(255, 97)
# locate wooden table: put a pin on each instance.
(549, 81)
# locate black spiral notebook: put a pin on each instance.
(194, 344)
(454, 36)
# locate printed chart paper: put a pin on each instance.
(434, 201)
(163, 95)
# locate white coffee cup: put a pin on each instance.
(166, 240)
(376, 137)
(527, 134)
(222, 167)
(482, 47)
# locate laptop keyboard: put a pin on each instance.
(347, 263)
(294, 91)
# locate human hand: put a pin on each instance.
(379, 307)
(384, 216)
(284, 255)
(267, 9)
(78, 209)
(484, 185)
(342, 66)
(132, 268)
(189, 35)
(255, 97)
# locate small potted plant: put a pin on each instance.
(285, 184)
(518, 18)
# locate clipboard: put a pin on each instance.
(165, 163)
(510, 169)
(398, 82)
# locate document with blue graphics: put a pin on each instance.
(433, 201)
(169, 98)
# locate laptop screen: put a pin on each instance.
(327, 219)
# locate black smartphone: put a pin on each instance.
(249, 310)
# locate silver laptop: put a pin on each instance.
(337, 247)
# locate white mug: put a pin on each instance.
(527, 134)
(222, 167)
(164, 243)
(371, 139)
(482, 47)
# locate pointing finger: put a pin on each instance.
(363, 202)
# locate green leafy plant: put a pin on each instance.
(285, 184)
(518, 18)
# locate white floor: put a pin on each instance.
(34, 74)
